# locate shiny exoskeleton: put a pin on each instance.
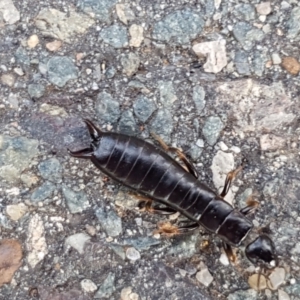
(150, 171)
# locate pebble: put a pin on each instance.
(16, 211)
(29, 180)
(60, 25)
(212, 128)
(258, 63)
(115, 36)
(143, 108)
(100, 9)
(10, 259)
(107, 287)
(291, 64)
(36, 245)
(276, 278)
(272, 142)
(61, 69)
(137, 35)
(130, 63)
(22, 57)
(53, 110)
(141, 243)
(8, 79)
(19, 71)
(199, 98)
(167, 93)
(76, 201)
(244, 11)
(293, 23)
(195, 152)
(255, 284)
(204, 277)
(185, 248)
(242, 295)
(162, 124)
(247, 35)
(132, 254)
(107, 109)
(9, 12)
(224, 259)
(43, 192)
(51, 170)
(127, 294)
(179, 27)
(88, 286)
(110, 72)
(33, 41)
(119, 250)
(127, 124)
(77, 241)
(54, 45)
(215, 52)
(276, 59)
(241, 63)
(124, 13)
(110, 222)
(36, 90)
(264, 8)
(282, 295)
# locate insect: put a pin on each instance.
(150, 171)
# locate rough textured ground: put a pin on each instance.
(219, 79)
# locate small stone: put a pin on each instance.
(195, 152)
(33, 41)
(179, 27)
(110, 72)
(241, 63)
(137, 35)
(272, 142)
(60, 25)
(264, 8)
(250, 294)
(8, 79)
(109, 221)
(199, 98)
(115, 35)
(143, 108)
(9, 12)
(282, 295)
(124, 13)
(293, 23)
(167, 93)
(215, 52)
(224, 259)
(276, 59)
(107, 287)
(285, 5)
(53, 110)
(16, 211)
(76, 201)
(127, 124)
(291, 64)
(36, 90)
(212, 128)
(29, 180)
(61, 69)
(19, 71)
(100, 9)
(204, 277)
(54, 46)
(36, 243)
(262, 18)
(43, 192)
(130, 63)
(132, 254)
(276, 278)
(107, 109)
(162, 124)
(255, 284)
(127, 294)
(51, 170)
(88, 286)
(244, 11)
(10, 259)
(77, 241)
(141, 243)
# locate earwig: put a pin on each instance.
(150, 171)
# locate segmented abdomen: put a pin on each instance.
(149, 170)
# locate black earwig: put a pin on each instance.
(151, 172)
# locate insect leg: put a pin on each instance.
(229, 179)
(179, 153)
(229, 252)
(188, 228)
(251, 206)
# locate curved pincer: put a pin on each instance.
(95, 132)
(84, 153)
